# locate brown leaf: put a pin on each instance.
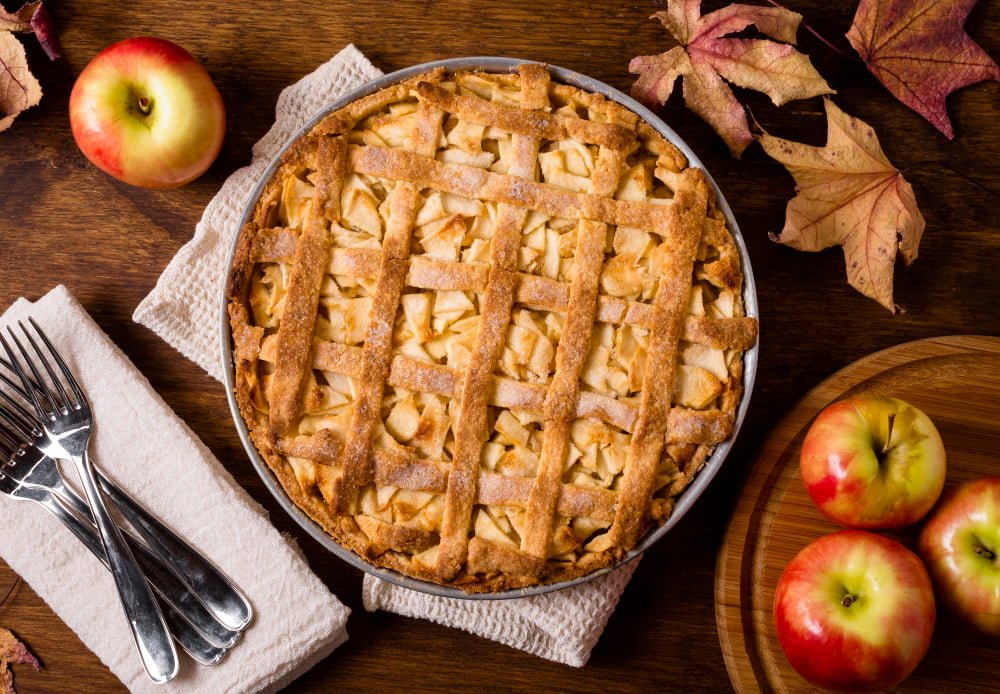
(19, 20)
(848, 194)
(919, 50)
(12, 651)
(705, 58)
(34, 18)
(18, 87)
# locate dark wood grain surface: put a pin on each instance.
(63, 221)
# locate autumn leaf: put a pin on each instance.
(18, 87)
(33, 18)
(919, 50)
(12, 651)
(848, 194)
(705, 58)
(19, 20)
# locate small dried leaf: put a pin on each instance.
(849, 194)
(12, 651)
(18, 21)
(919, 50)
(33, 18)
(706, 57)
(18, 87)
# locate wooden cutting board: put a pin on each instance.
(956, 381)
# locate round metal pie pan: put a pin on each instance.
(684, 501)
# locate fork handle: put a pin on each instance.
(141, 609)
(187, 636)
(219, 595)
(160, 576)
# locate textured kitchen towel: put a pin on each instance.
(184, 307)
(184, 310)
(563, 625)
(140, 443)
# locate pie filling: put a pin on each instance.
(487, 328)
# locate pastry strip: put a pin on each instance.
(356, 459)
(299, 317)
(670, 303)
(695, 426)
(471, 431)
(570, 355)
(472, 182)
(532, 290)
(403, 471)
(530, 123)
(343, 120)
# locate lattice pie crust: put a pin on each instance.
(487, 328)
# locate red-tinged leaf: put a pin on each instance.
(34, 18)
(706, 58)
(45, 32)
(849, 194)
(919, 50)
(12, 651)
(18, 87)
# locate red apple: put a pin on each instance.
(871, 461)
(146, 112)
(854, 611)
(961, 545)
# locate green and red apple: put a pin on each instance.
(961, 547)
(145, 111)
(872, 461)
(854, 611)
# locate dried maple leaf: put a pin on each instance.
(920, 52)
(705, 58)
(12, 651)
(18, 87)
(848, 194)
(33, 18)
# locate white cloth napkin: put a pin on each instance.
(141, 444)
(184, 309)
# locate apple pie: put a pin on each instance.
(487, 327)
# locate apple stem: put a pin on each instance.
(888, 436)
(144, 105)
(983, 552)
(847, 600)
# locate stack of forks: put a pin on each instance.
(169, 592)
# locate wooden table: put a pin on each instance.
(63, 221)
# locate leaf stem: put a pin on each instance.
(888, 436)
(819, 36)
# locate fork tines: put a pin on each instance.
(9, 446)
(35, 385)
(16, 422)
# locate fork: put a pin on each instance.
(19, 462)
(65, 433)
(219, 595)
(37, 475)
